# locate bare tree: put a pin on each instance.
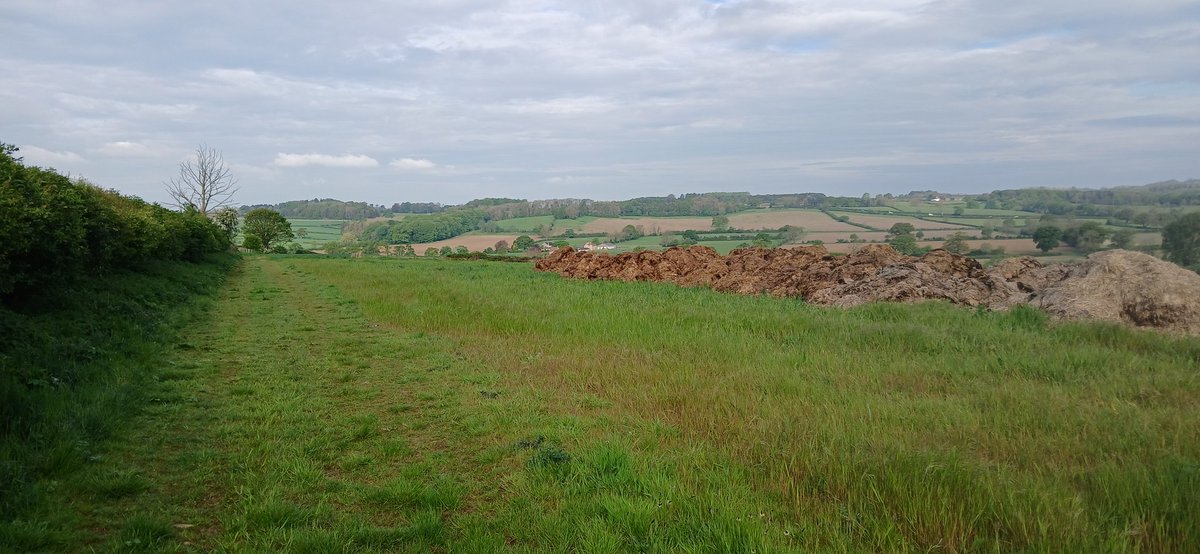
(204, 183)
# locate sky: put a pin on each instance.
(448, 101)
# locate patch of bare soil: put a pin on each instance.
(1117, 285)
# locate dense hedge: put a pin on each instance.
(54, 230)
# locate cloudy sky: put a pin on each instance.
(452, 100)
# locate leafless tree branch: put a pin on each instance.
(204, 183)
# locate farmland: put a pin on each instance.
(317, 231)
(650, 225)
(885, 222)
(417, 405)
(475, 242)
(811, 220)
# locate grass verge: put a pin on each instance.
(75, 366)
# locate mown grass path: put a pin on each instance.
(382, 405)
(291, 422)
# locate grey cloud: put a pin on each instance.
(624, 97)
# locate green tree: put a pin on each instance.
(628, 233)
(957, 244)
(690, 237)
(523, 243)
(445, 251)
(720, 223)
(1089, 236)
(1122, 239)
(905, 243)
(270, 227)
(762, 240)
(461, 250)
(902, 229)
(793, 234)
(1047, 237)
(252, 242)
(431, 252)
(1181, 240)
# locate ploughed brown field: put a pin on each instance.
(475, 243)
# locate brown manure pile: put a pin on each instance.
(1116, 285)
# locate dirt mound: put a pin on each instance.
(1116, 285)
(876, 272)
(1127, 287)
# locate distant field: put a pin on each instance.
(811, 220)
(981, 221)
(524, 224)
(390, 217)
(885, 222)
(1147, 239)
(1012, 247)
(473, 242)
(556, 226)
(829, 237)
(320, 231)
(649, 225)
(947, 208)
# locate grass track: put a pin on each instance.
(416, 405)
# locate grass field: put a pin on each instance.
(475, 242)
(811, 220)
(885, 222)
(320, 231)
(429, 405)
(1012, 247)
(649, 225)
(527, 225)
(947, 208)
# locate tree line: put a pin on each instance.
(430, 228)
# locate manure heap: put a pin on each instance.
(1116, 285)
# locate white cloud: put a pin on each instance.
(413, 164)
(303, 160)
(48, 158)
(124, 148)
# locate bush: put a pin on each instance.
(252, 242)
(58, 231)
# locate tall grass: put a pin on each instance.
(883, 427)
(459, 406)
(75, 364)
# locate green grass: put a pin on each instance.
(75, 364)
(529, 224)
(320, 231)
(525, 224)
(418, 405)
(947, 209)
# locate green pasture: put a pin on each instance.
(418, 405)
(319, 231)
